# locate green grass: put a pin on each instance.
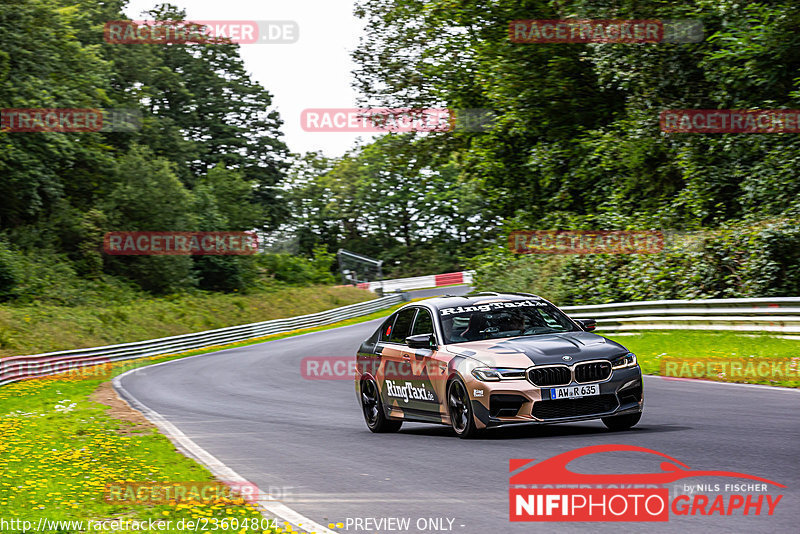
(34, 329)
(655, 349)
(55, 462)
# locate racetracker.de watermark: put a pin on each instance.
(180, 243)
(382, 120)
(201, 31)
(585, 242)
(69, 120)
(730, 121)
(202, 491)
(605, 31)
(100, 367)
(727, 368)
(347, 368)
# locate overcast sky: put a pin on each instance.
(314, 72)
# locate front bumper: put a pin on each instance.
(518, 401)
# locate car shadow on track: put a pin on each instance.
(542, 431)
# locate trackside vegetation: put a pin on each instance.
(654, 349)
(575, 143)
(36, 328)
(61, 446)
(572, 141)
(740, 260)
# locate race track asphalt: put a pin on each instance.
(305, 442)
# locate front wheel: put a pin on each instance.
(373, 409)
(460, 407)
(622, 422)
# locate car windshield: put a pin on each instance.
(496, 320)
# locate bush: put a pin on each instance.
(9, 272)
(40, 276)
(149, 196)
(225, 273)
(298, 270)
(740, 261)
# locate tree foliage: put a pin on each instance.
(576, 141)
(208, 154)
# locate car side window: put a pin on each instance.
(423, 323)
(385, 330)
(402, 326)
(550, 319)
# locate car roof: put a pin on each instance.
(449, 301)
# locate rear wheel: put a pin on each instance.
(622, 422)
(460, 408)
(373, 409)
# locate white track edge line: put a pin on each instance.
(217, 468)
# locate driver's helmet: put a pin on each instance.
(477, 323)
(510, 321)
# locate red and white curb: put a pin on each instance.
(419, 282)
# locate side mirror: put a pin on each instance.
(421, 341)
(587, 324)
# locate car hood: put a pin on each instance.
(542, 349)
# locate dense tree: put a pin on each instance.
(576, 140)
(392, 199)
(577, 135)
(575, 143)
(208, 153)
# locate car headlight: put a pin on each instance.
(495, 374)
(628, 360)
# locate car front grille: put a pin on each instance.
(550, 376)
(592, 372)
(556, 409)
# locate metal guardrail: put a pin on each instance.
(775, 314)
(15, 368)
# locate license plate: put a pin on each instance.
(573, 392)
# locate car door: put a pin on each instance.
(395, 360)
(425, 369)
